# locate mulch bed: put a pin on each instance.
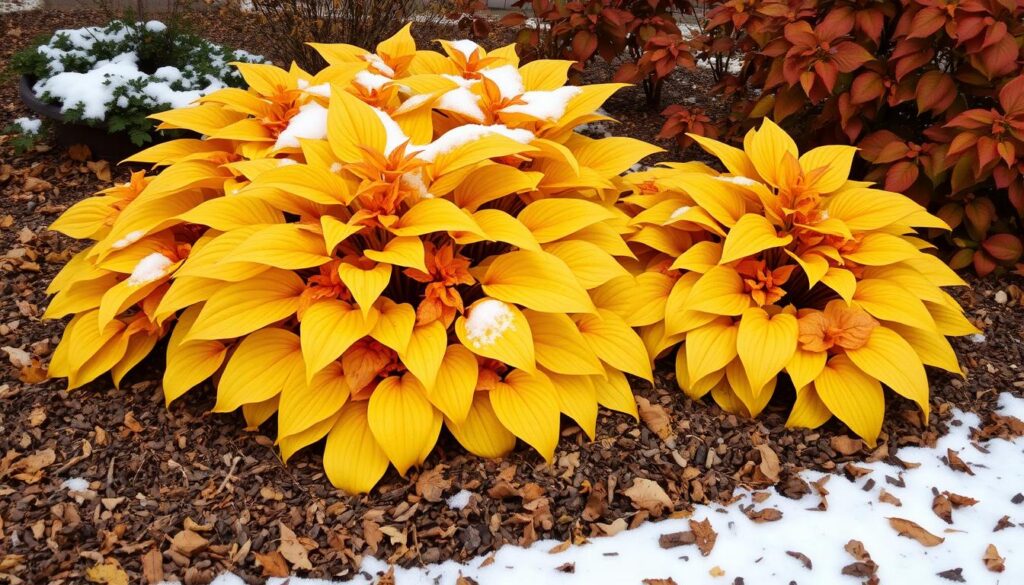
(179, 494)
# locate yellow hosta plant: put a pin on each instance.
(782, 267)
(402, 241)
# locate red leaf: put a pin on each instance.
(983, 263)
(512, 19)
(866, 87)
(901, 176)
(935, 91)
(1003, 247)
(926, 21)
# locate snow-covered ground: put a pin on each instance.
(806, 545)
(19, 5)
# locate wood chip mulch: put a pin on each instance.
(182, 495)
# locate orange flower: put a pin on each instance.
(847, 327)
(763, 284)
(447, 270)
(326, 285)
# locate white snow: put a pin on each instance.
(508, 80)
(545, 105)
(129, 239)
(29, 125)
(488, 321)
(148, 269)
(461, 81)
(680, 211)
(75, 484)
(229, 579)
(737, 180)
(395, 135)
(977, 337)
(460, 135)
(19, 5)
(377, 63)
(465, 46)
(757, 552)
(414, 180)
(463, 102)
(371, 81)
(459, 500)
(156, 26)
(310, 122)
(322, 89)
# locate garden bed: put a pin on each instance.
(211, 498)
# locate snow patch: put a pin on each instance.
(156, 26)
(129, 239)
(395, 135)
(371, 81)
(680, 211)
(460, 135)
(488, 321)
(29, 126)
(737, 180)
(545, 105)
(75, 484)
(310, 122)
(465, 46)
(377, 63)
(508, 80)
(414, 181)
(148, 269)
(459, 500)
(977, 337)
(463, 102)
(461, 81)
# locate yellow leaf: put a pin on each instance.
(614, 155)
(724, 201)
(289, 245)
(306, 404)
(559, 345)
(613, 391)
(853, 397)
(700, 257)
(577, 399)
(536, 280)
(591, 265)
(292, 443)
(487, 146)
(815, 267)
(809, 412)
(308, 182)
(879, 249)
(555, 218)
(481, 433)
(752, 234)
(267, 80)
(139, 346)
(257, 413)
(353, 459)
(87, 218)
(864, 210)
(890, 359)
(352, 125)
(805, 366)
(365, 284)
(719, 291)
(891, 302)
(949, 318)
(228, 213)
(425, 352)
(497, 330)
(328, 328)
(710, 348)
(526, 405)
(765, 344)
(842, 281)
(203, 119)
(204, 260)
(456, 381)
(435, 215)
(768, 149)
(501, 227)
(395, 324)
(186, 291)
(404, 251)
(259, 368)
(734, 159)
(545, 74)
(615, 343)
(490, 182)
(932, 347)
(402, 420)
(336, 231)
(753, 400)
(189, 363)
(246, 306)
(832, 162)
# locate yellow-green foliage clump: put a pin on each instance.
(404, 240)
(784, 266)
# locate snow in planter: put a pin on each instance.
(115, 76)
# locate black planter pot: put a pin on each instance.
(112, 146)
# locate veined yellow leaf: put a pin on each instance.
(456, 381)
(842, 281)
(309, 182)
(481, 433)
(353, 125)
(490, 182)
(139, 346)
(805, 366)
(204, 261)
(880, 249)
(754, 400)
(259, 368)
(890, 359)
(765, 344)
(545, 74)
(288, 245)
(328, 328)
(186, 291)
(304, 404)
(495, 329)
(425, 352)
(767, 151)
(490, 145)
(87, 218)
(499, 226)
(710, 348)
(615, 343)
(243, 307)
(891, 302)
(353, 459)
(555, 218)
(394, 325)
(614, 155)
(591, 265)
(257, 413)
(402, 420)
(365, 284)
(265, 79)
(724, 201)
(932, 347)
(809, 412)
(700, 257)
(832, 164)
(526, 405)
(536, 280)
(735, 160)
(203, 119)
(292, 443)
(853, 397)
(435, 215)
(80, 296)
(949, 318)
(815, 267)
(189, 363)
(577, 399)
(752, 233)
(404, 251)
(865, 210)
(560, 346)
(719, 291)
(336, 231)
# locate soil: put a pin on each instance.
(179, 494)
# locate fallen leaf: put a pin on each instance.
(614, 528)
(959, 501)
(943, 508)
(130, 422)
(1003, 523)
(101, 169)
(769, 466)
(273, 564)
(955, 575)
(292, 550)
(716, 571)
(994, 562)
(655, 417)
(674, 539)
(804, 559)
(190, 524)
(648, 495)
(958, 464)
(37, 417)
(566, 568)
(79, 152)
(30, 468)
(153, 567)
(845, 445)
(764, 514)
(706, 535)
(106, 574)
(913, 530)
(188, 543)
(460, 580)
(19, 357)
(666, 581)
(270, 493)
(888, 498)
(432, 484)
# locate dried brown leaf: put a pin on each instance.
(648, 495)
(152, 567)
(655, 417)
(943, 508)
(432, 484)
(769, 467)
(706, 535)
(846, 445)
(273, 564)
(993, 562)
(958, 464)
(293, 550)
(913, 530)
